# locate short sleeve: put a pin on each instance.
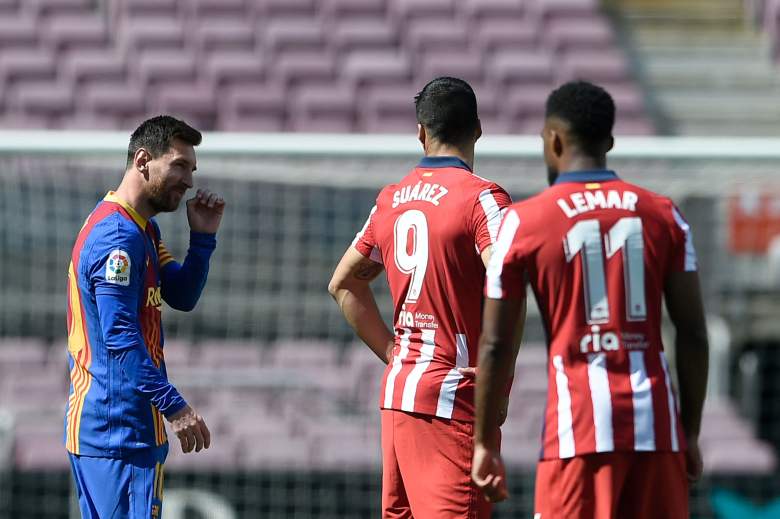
(365, 240)
(683, 256)
(488, 211)
(505, 276)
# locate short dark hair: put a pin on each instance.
(589, 110)
(156, 134)
(447, 108)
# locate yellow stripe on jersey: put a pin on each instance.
(163, 255)
(81, 379)
(160, 437)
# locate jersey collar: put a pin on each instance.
(112, 197)
(590, 175)
(443, 162)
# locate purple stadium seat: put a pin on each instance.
(406, 10)
(301, 66)
(177, 352)
(53, 7)
(367, 68)
(284, 34)
(639, 125)
(145, 8)
(232, 67)
(739, 457)
(206, 9)
(318, 108)
(388, 109)
(589, 34)
(252, 107)
(338, 9)
(521, 68)
(510, 33)
(493, 9)
(101, 66)
(272, 8)
(34, 390)
(422, 35)
(75, 32)
(222, 453)
(45, 97)
(224, 34)
(273, 452)
(547, 10)
(17, 64)
(191, 102)
(165, 66)
(114, 98)
(18, 32)
(597, 66)
(151, 33)
(363, 34)
(465, 65)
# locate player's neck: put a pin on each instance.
(448, 150)
(133, 195)
(583, 163)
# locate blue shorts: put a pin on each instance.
(112, 488)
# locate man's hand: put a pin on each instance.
(488, 473)
(471, 372)
(191, 430)
(204, 211)
(693, 459)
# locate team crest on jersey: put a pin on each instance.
(118, 268)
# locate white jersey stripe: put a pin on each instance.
(376, 255)
(504, 241)
(672, 405)
(426, 355)
(397, 365)
(450, 384)
(565, 428)
(602, 401)
(690, 252)
(492, 212)
(644, 421)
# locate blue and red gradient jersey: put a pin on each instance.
(119, 275)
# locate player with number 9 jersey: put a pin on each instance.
(432, 233)
(429, 231)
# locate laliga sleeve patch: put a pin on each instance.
(118, 268)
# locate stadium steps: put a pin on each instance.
(706, 70)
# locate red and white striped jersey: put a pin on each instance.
(596, 251)
(429, 231)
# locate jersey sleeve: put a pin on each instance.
(487, 214)
(365, 240)
(505, 276)
(683, 257)
(116, 273)
(182, 284)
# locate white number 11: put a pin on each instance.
(625, 235)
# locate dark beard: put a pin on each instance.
(162, 202)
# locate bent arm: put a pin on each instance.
(182, 284)
(350, 288)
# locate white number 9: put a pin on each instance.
(416, 262)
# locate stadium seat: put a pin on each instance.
(339, 9)
(151, 33)
(388, 109)
(40, 450)
(219, 354)
(221, 34)
(292, 354)
(116, 98)
(365, 34)
(492, 9)
(211, 9)
(75, 32)
(423, 36)
(44, 98)
(252, 106)
(593, 34)
(21, 353)
(273, 8)
(155, 67)
(406, 10)
(99, 65)
(24, 64)
(518, 68)
(465, 65)
(597, 66)
(323, 108)
(18, 32)
(284, 34)
(297, 67)
(506, 34)
(366, 68)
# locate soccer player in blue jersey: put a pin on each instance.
(119, 275)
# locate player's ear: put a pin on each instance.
(421, 134)
(557, 142)
(610, 143)
(478, 132)
(141, 160)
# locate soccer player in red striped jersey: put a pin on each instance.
(600, 254)
(432, 233)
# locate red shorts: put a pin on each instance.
(613, 485)
(426, 468)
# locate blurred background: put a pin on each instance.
(308, 105)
